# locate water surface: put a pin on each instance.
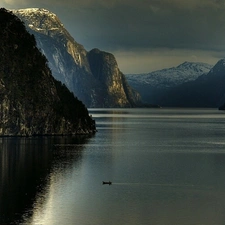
(167, 167)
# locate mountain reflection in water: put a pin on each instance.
(26, 167)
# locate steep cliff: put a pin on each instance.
(73, 65)
(116, 91)
(32, 102)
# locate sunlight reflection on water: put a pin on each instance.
(167, 166)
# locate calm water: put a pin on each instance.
(167, 167)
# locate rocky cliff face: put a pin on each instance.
(73, 65)
(115, 90)
(32, 102)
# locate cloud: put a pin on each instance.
(154, 4)
(137, 26)
(157, 4)
(145, 61)
(8, 1)
(15, 2)
(162, 23)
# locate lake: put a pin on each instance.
(167, 167)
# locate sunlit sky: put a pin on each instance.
(144, 35)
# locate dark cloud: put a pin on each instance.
(150, 24)
(128, 25)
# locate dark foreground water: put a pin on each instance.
(167, 167)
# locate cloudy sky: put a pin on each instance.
(144, 35)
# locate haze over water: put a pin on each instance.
(167, 166)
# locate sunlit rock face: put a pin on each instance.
(105, 69)
(74, 66)
(32, 102)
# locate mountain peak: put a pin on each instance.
(221, 62)
(219, 68)
(39, 19)
(185, 63)
(193, 64)
(34, 10)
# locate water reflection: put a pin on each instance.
(165, 168)
(28, 166)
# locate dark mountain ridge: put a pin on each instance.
(32, 102)
(206, 91)
(152, 86)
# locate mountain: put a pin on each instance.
(206, 91)
(117, 92)
(32, 102)
(154, 85)
(94, 77)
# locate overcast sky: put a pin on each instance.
(144, 35)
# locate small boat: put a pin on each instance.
(106, 182)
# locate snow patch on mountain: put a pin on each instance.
(45, 24)
(29, 11)
(166, 78)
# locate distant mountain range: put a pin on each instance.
(187, 85)
(94, 77)
(152, 86)
(208, 90)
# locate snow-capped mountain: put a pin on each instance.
(165, 78)
(72, 65)
(153, 85)
(207, 90)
